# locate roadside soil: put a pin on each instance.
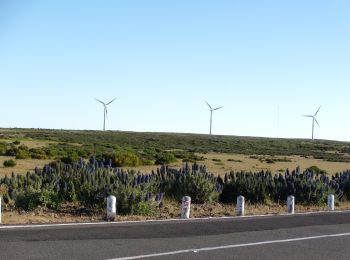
(169, 211)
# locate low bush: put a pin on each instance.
(9, 163)
(126, 159)
(165, 158)
(28, 200)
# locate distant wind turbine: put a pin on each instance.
(105, 111)
(211, 114)
(313, 121)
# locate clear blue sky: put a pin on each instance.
(162, 59)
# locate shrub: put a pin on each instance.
(200, 186)
(49, 199)
(37, 153)
(11, 151)
(307, 188)
(9, 163)
(234, 160)
(199, 189)
(70, 159)
(165, 158)
(22, 154)
(144, 209)
(126, 158)
(3, 148)
(247, 185)
(316, 169)
(91, 197)
(27, 201)
(147, 162)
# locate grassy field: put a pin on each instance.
(217, 163)
(319, 149)
(221, 163)
(22, 167)
(220, 154)
(32, 148)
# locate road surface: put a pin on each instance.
(302, 236)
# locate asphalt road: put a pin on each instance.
(310, 236)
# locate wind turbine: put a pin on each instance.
(211, 113)
(313, 121)
(105, 111)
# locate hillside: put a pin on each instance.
(147, 149)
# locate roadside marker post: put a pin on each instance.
(330, 202)
(240, 206)
(290, 204)
(185, 207)
(111, 207)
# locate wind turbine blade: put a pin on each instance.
(317, 111)
(100, 101)
(111, 101)
(208, 105)
(106, 112)
(317, 122)
(217, 108)
(308, 116)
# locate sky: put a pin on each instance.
(267, 62)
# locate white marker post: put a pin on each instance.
(111, 207)
(330, 202)
(240, 206)
(186, 207)
(290, 204)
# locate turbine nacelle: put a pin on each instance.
(212, 109)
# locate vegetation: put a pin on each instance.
(308, 187)
(162, 148)
(86, 167)
(87, 184)
(9, 163)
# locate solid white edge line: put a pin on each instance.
(4, 226)
(196, 250)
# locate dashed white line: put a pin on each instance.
(196, 250)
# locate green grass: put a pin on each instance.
(183, 146)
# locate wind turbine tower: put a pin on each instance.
(105, 111)
(211, 114)
(313, 121)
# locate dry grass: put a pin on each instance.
(14, 217)
(29, 143)
(245, 163)
(218, 163)
(22, 167)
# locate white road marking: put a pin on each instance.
(164, 220)
(230, 246)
